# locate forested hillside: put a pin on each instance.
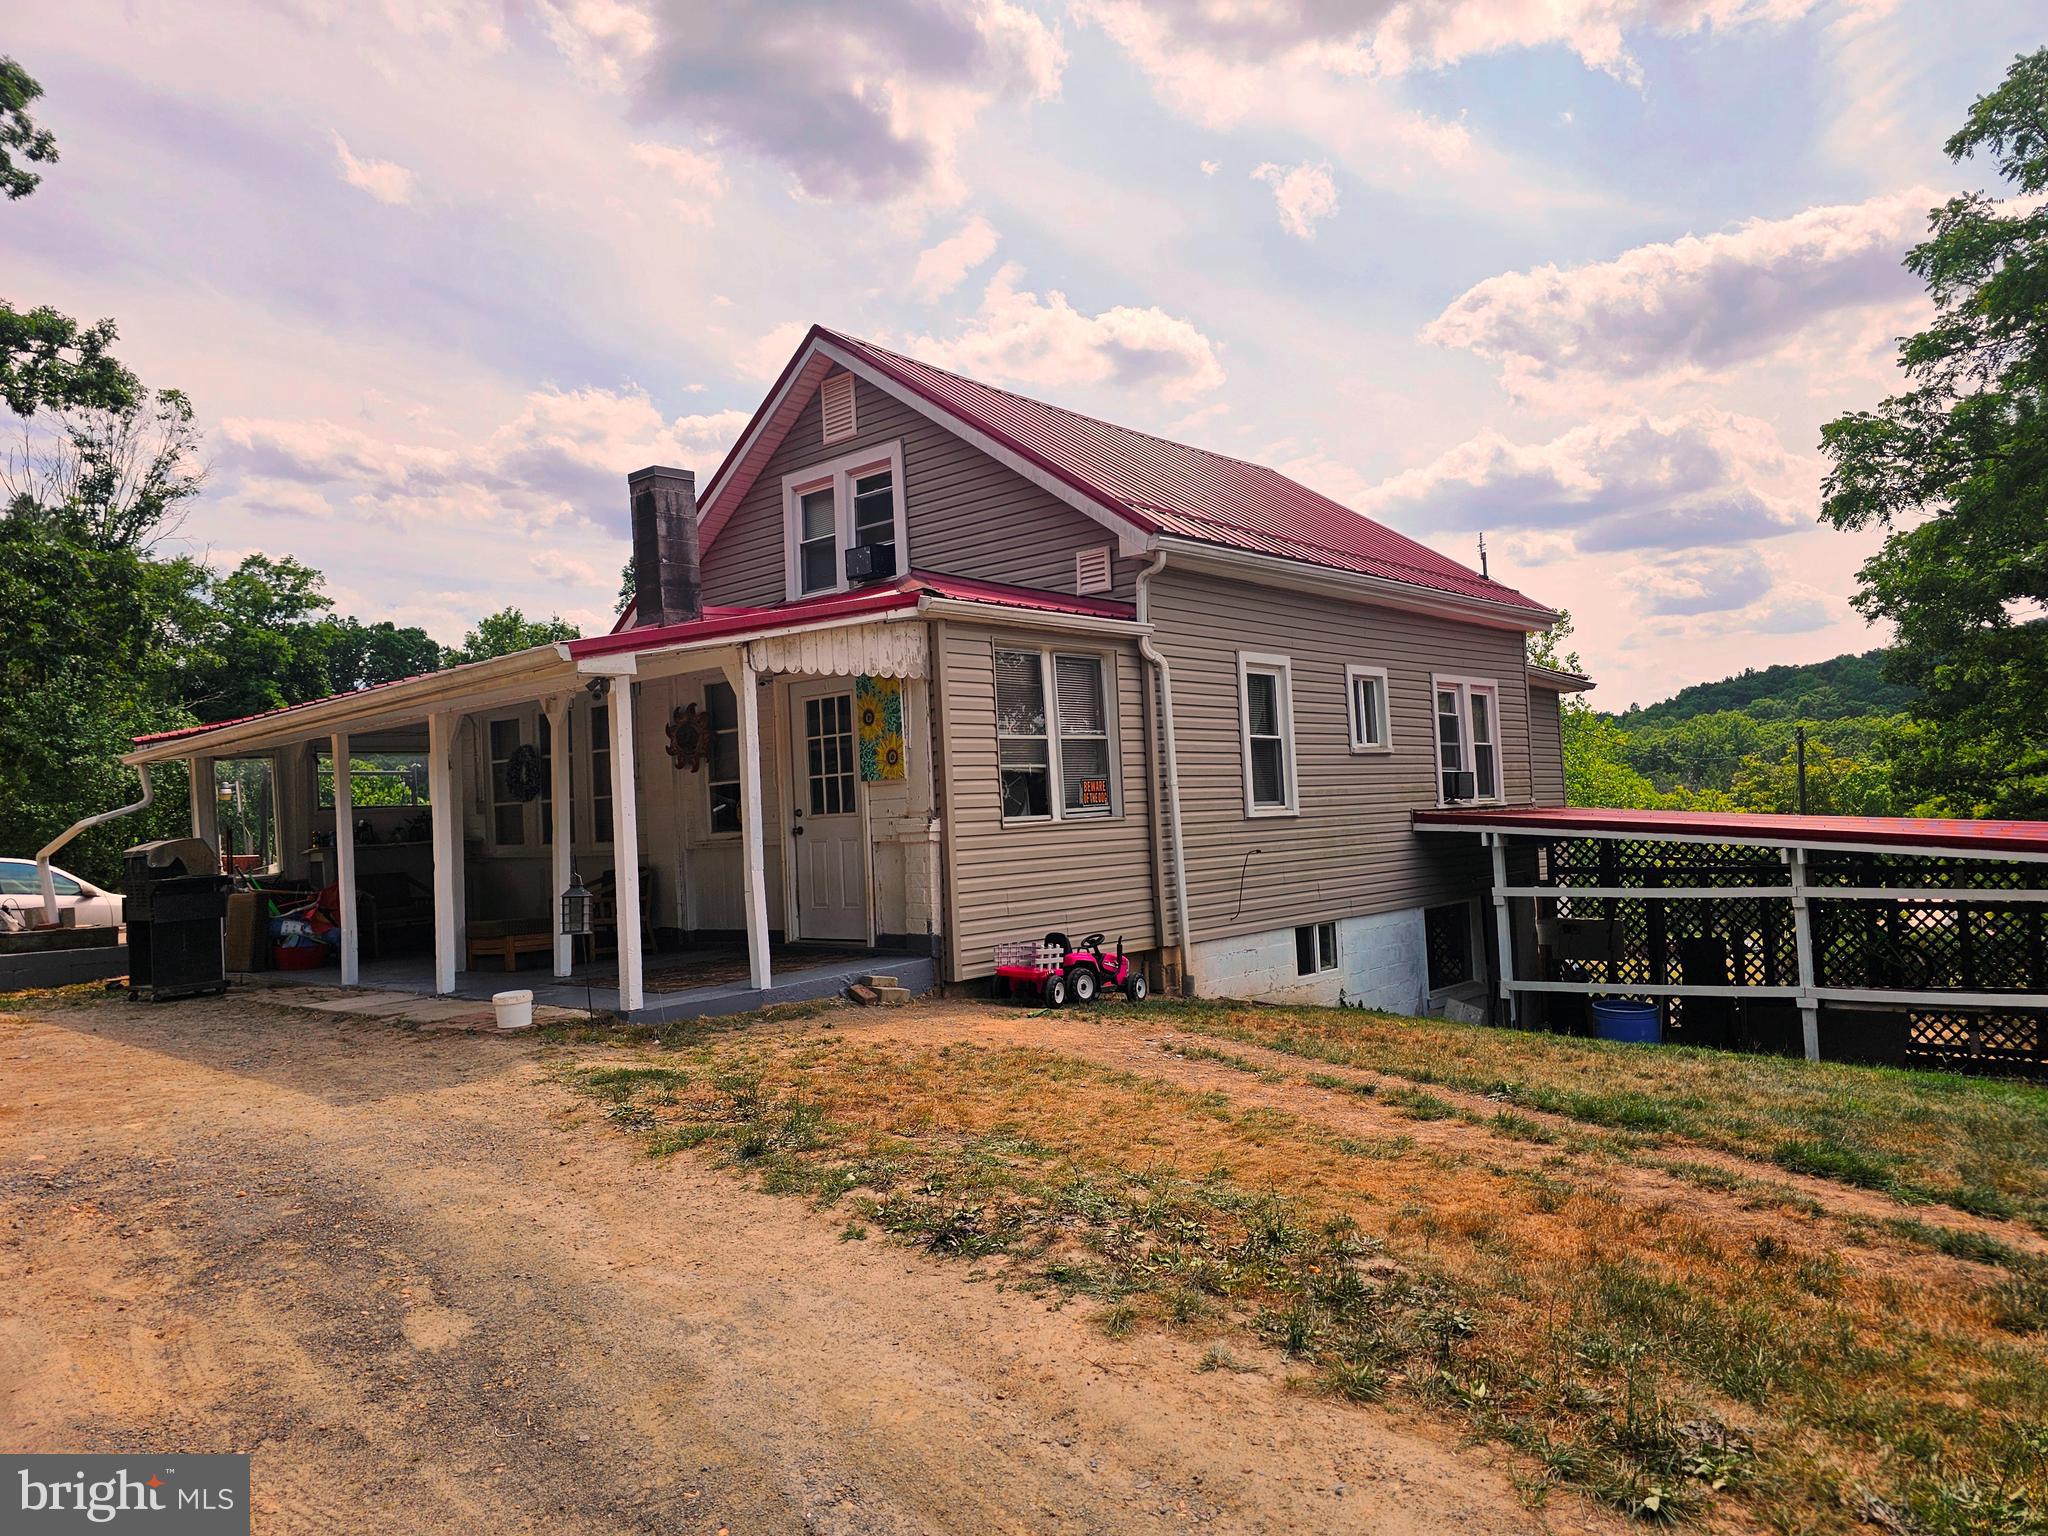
(1834, 689)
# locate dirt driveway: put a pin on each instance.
(432, 1291)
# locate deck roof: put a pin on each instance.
(1902, 834)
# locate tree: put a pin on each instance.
(506, 631)
(362, 655)
(122, 473)
(19, 134)
(1956, 469)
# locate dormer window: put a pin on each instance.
(830, 510)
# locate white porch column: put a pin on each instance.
(625, 844)
(447, 824)
(205, 803)
(1503, 935)
(1802, 934)
(564, 843)
(739, 672)
(345, 858)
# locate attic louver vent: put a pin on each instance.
(837, 401)
(1091, 570)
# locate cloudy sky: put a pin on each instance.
(1584, 275)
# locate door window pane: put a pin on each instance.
(600, 773)
(722, 770)
(829, 754)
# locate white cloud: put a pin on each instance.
(698, 178)
(1303, 193)
(859, 102)
(1689, 305)
(1622, 482)
(1211, 167)
(563, 457)
(942, 267)
(1045, 343)
(385, 180)
(1395, 37)
(763, 357)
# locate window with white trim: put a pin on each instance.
(1055, 751)
(722, 763)
(1266, 703)
(1371, 724)
(600, 757)
(1315, 949)
(848, 503)
(1467, 739)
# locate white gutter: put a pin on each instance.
(1180, 857)
(43, 879)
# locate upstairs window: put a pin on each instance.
(851, 503)
(1055, 763)
(1371, 729)
(1267, 703)
(817, 541)
(1468, 739)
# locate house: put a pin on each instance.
(926, 665)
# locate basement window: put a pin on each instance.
(1315, 949)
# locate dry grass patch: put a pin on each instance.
(1977, 1144)
(1631, 1352)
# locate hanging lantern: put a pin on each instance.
(576, 907)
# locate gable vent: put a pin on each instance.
(837, 401)
(1091, 570)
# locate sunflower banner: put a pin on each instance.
(878, 702)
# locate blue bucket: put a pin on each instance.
(1639, 1023)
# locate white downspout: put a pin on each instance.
(43, 879)
(1180, 857)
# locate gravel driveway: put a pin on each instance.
(432, 1291)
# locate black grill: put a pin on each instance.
(176, 907)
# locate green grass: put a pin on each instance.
(1975, 1144)
(1635, 1354)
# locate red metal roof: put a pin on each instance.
(221, 725)
(904, 592)
(1985, 839)
(1171, 488)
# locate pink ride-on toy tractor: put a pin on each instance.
(1057, 971)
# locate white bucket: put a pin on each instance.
(515, 1009)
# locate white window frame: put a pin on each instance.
(1465, 687)
(711, 830)
(1325, 964)
(838, 476)
(1282, 668)
(523, 720)
(1386, 713)
(1056, 795)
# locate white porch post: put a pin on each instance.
(754, 880)
(1802, 934)
(447, 824)
(563, 845)
(625, 844)
(205, 803)
(1503, 935)
(345, 858)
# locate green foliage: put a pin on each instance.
(48, 359)
(1826, 690)
(19, 134)
(1955, 468)
(506, 631)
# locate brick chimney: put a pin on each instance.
(666, 588)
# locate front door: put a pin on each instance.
(825, 822)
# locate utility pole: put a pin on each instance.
(1799, 745)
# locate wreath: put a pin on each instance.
(526, 773)
(689, 738)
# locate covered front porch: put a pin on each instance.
(771, 768)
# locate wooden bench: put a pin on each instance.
(508, 942)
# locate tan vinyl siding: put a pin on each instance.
(1021, 880)
(1546, 745)
(1351, 851)
(967, 515)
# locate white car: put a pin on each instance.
(21, 897)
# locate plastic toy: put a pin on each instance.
(1059, 972)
